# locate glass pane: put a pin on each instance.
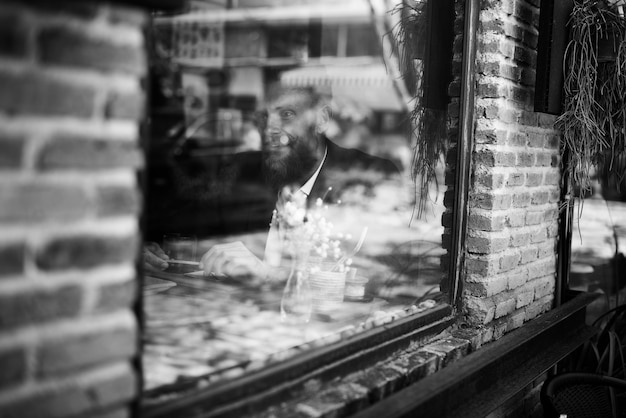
(362, 41)
(281, 210)
(598, 238)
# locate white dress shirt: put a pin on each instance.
(273, 245)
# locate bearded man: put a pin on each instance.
(296, 155)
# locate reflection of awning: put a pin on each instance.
(367, 85)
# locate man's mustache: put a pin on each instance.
(278, 139)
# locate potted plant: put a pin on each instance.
(593, 120)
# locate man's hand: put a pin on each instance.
(232, 259)
(154, 259)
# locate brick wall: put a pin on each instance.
(71, 82)
(510, 261)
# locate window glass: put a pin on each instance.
(362, 40)
(281, 209)
(598, 237)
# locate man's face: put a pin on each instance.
(291, 145)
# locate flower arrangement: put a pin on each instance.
(308, 233)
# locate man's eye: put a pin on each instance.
(287, 114)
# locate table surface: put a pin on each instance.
(220, 328)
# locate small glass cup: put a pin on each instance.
(180, 247)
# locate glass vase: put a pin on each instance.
(296, 303)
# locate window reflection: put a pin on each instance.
(280, 206)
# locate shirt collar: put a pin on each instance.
(308, 186)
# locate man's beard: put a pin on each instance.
(287, 170)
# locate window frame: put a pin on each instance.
(274, 381)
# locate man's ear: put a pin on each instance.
(324, 114)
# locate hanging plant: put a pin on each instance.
(428, 123)
(593, 120)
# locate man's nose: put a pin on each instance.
(274, 125)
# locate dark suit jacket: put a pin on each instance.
(226, 194)
(344, 160)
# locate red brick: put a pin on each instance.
(509, 261)
(12, 256)
(486, 135)
(453, 109)
(492, 158)
(486, 221)
(489, 179)
(500, 328)
(84, 395)
(536, 140)
(528, 255)
(534, 217)
(85, 251)
(521, 199)
(555, 196)
(515, 179)
(113, 296)
(515, 320)
(380, 381)
(13, 364)
(552, 179)
(38, 201)
(340, 400)
(11, 151)
(504, 307)
(454, 89)
(449, 349)
(547, 250)
(541, 268)
(472, 335)
(516, 219)
(485, 288)
(520, 238)
(492, 25)
(527, 77)
(117, 200)
(544, 287)
(99, 345)
(520, 95)
(524, 298)
(526, 14)
(533, 310)
(517, 139)
(419, 364)
(489, 90)
(486, 244)
(481, 266)
(540, 197)
(82, 154)
(525, 159)
(479, 311)
(545, 159)
(37, 93)
(550, 215)
(516, 279)
(525, 56)
(490, 201)
(124, 105)
(39, 305)
(539, 235)
(88, 51)
(489, 47)
(528, 118)
(534, 179)
(13, 36)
